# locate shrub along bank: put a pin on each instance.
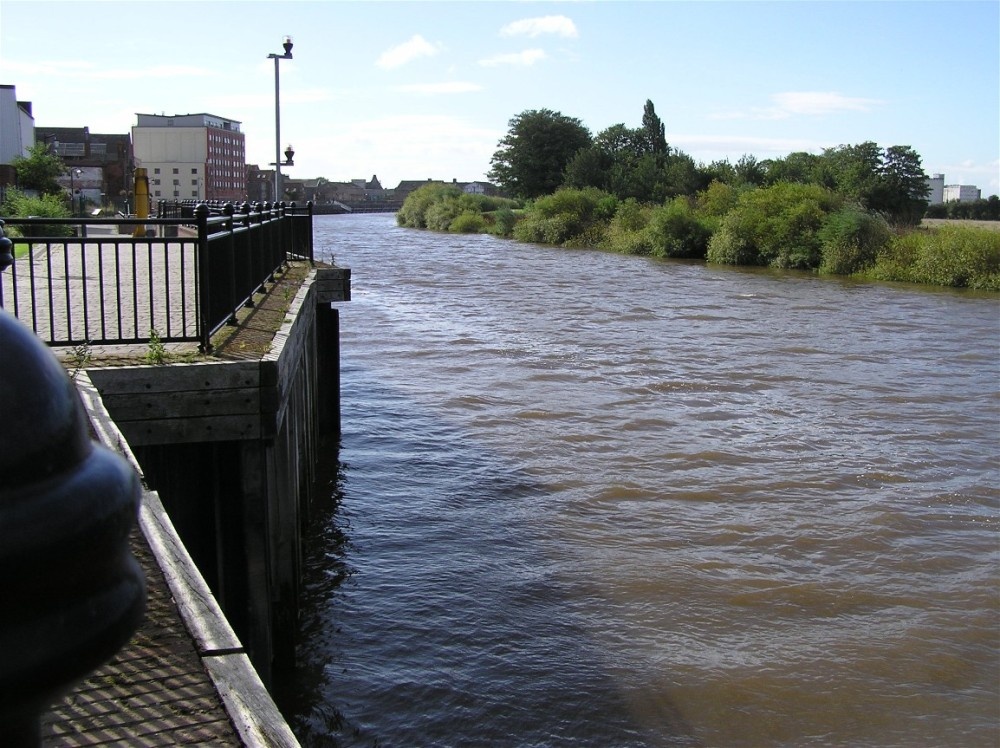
(785, 225)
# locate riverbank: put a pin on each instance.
(937, 223)
(784, 226)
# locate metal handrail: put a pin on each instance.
(125, 280)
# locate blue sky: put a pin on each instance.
(426, 89)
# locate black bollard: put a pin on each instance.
(6, 251)
(71, 593)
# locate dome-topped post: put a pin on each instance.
(73, 594)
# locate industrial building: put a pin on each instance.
(191, 156)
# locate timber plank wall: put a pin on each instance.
(231, 447)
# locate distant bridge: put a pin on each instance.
(337, 207)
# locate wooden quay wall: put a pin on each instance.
(230, 447)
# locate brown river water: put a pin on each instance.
(583, 499)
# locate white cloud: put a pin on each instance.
(803, 103)
(526, 58)
(532, 27)
(716, 147)
(449, 87)
(401, 147)
(81, 70)
(986, 176)
(408, 51)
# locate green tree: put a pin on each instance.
(902, 190)
(533, 156)
(854, 170)
(890, 181)
(800, 167)
(18, 204)
(39, 170)
(776, 226)
(654, 131)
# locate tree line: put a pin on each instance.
(545, 150)
(849, 210)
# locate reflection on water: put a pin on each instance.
(604, 501)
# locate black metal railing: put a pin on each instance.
(179, 276)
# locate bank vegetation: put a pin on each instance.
(850, 211)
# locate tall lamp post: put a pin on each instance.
(73, 174)
(287, 44)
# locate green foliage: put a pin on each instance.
(672, 230)
(532, 157)
(413, 212)
(675, 230)
(157, 353)
(468, 222)
(442, 212)
(503, 221)
(626, 233)
(802, 167)
(634, 163)
(442, 207)
(19, 205)
(890, 181)
(717, 199)
(950, 256)
(39, 170)
(851, 240)
(776, 226)
(654, 130)
(80, 358)
(977, 210)
(568, 217)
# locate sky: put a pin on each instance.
(426, 89)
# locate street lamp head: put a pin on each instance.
(289, 155)
(287, 44)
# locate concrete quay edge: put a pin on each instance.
(250, 707)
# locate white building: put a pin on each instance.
(17, 134)
(962, 193)
(17, 126)
(936, 185)
(191, 156)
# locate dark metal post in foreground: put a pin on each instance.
(72, 593)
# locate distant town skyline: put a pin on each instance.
(417, 90)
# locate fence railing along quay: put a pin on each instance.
(176, 277)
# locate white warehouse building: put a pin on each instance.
(961, 193)
(191, 156)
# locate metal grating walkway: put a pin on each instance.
(154, 692)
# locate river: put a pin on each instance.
(594, 500)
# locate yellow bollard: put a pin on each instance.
(141, 199)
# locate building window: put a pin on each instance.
(177, 171)
(194, 170)
(156, 170)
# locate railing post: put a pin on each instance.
(234, 290)
(309, 231)
(204, 289)
(73, 593)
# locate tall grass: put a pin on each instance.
(949, 256)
